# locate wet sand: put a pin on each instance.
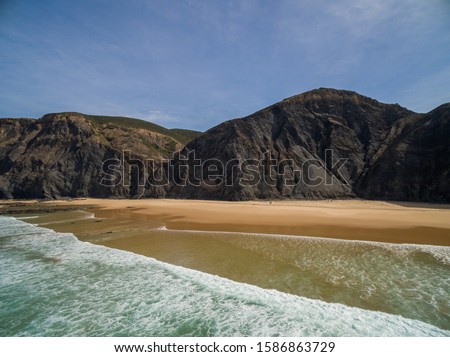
(372, 276)
(346, 219)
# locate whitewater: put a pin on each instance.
(52, 284)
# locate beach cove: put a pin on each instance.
(268, 246)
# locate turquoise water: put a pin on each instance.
(52, 284)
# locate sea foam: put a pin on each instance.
(54, 285)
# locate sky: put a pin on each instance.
(193, 64)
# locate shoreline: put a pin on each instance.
(328, 269)
(377, 221)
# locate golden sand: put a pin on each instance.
(303, 267)
(346, 219)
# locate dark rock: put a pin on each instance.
(414, 162)
(322, 144)
(391, 152)
(62, 155)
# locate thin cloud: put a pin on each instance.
(196, 63)
(159, 117)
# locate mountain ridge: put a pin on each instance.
(389, 151)
(303, 127)
(61, 154)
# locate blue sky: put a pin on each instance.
(194, 64)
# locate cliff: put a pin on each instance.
(321, 144)
(62, 155)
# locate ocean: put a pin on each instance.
(52, 284)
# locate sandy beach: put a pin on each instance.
(346, 219)
(204, 236)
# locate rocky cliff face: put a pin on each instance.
(63, 155)
(321, 144)
(413, 163)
